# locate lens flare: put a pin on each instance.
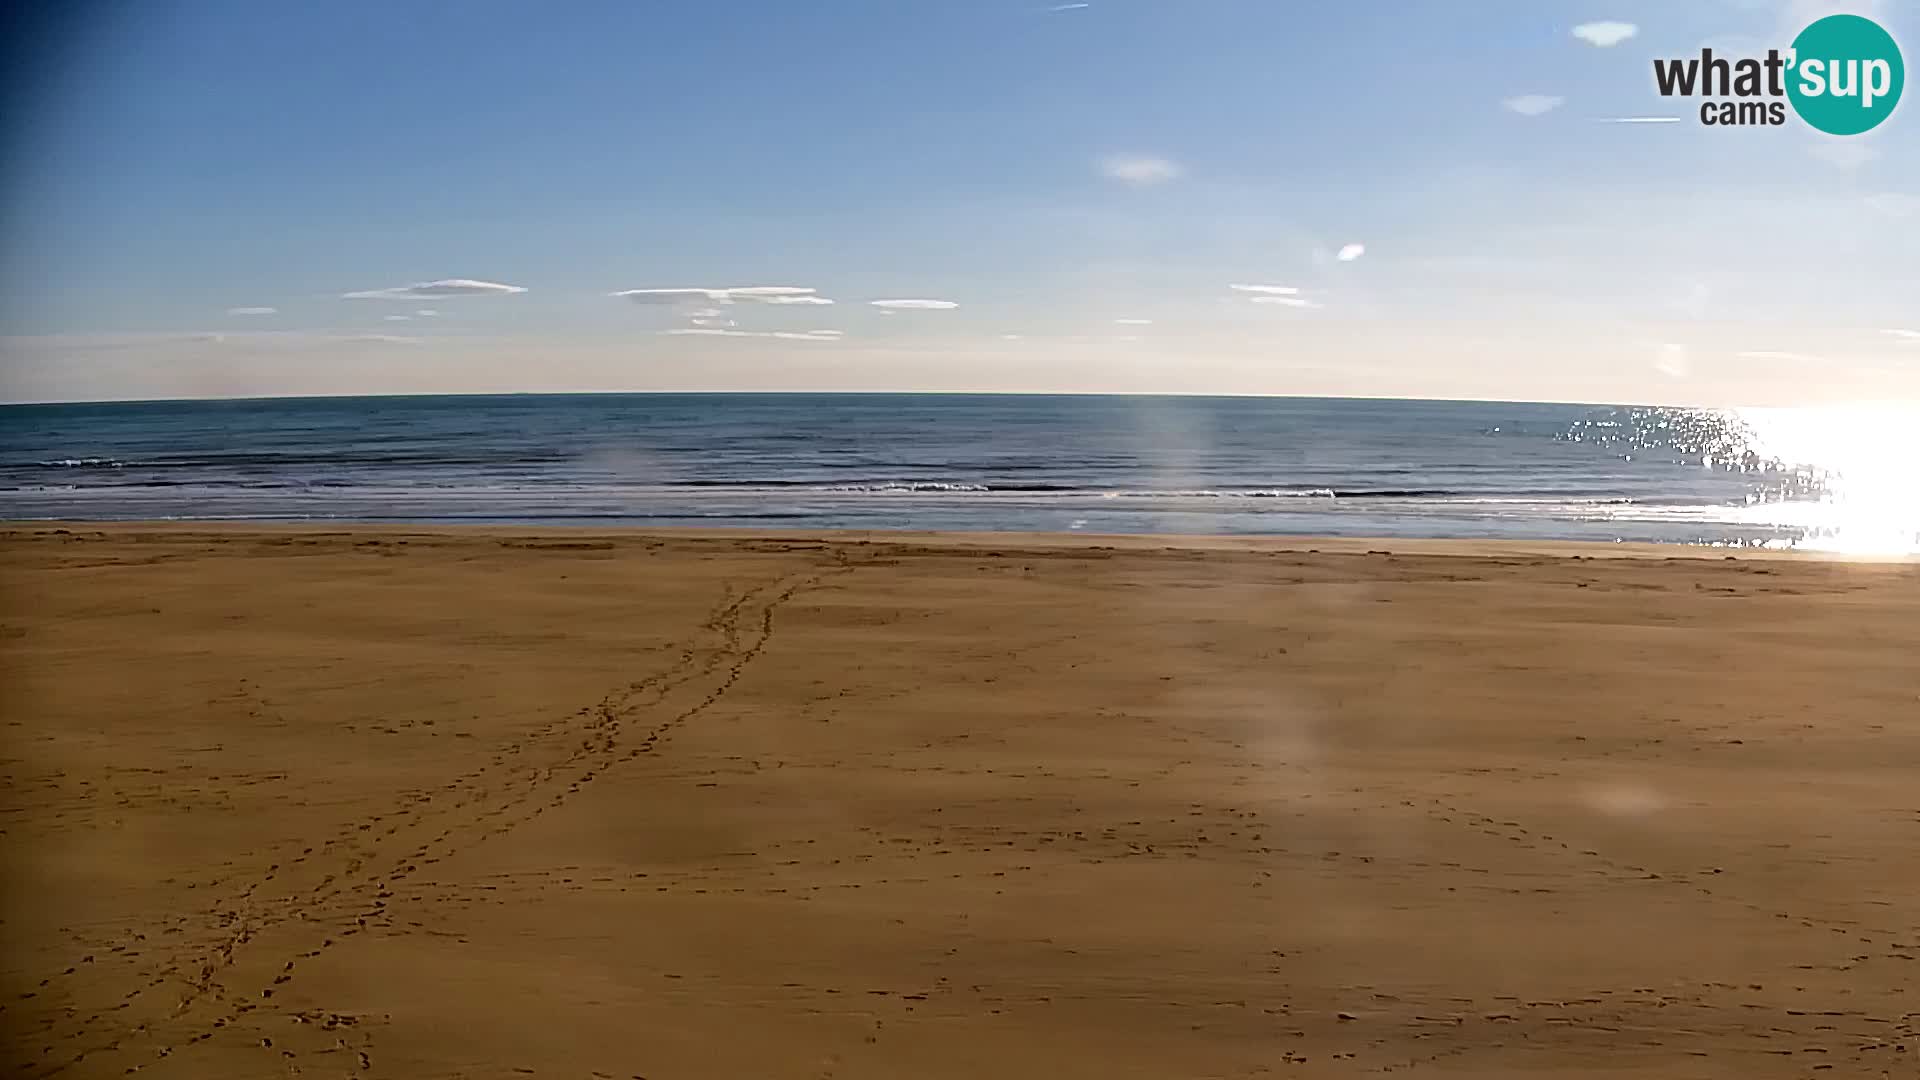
(1867, 500)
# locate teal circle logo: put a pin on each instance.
(1845, 75)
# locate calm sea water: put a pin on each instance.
(1096, 464)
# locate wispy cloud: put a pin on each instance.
(1772, 355)
(1895, 204)
(1269, 290)
(1350, 252)
(1140, 170)
(234, 339)
(1533, 104)
(670, 296)
(437, 289)
(253, 311)
(782, 335)
(1605, 35)
(1069, 7)
(108, 343)
(1905, 337)
(1286, 301)
(707, 296)
(1133, 322)
(306, 339)
(1671, 359)
(399, 318)
(914, 305)
(1843, 154)
(427, 313)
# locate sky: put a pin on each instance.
(220, 198)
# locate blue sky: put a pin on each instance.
(1083, 185)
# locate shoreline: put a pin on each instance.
(959, 540)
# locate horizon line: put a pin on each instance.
(54, 403)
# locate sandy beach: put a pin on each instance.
(494, 804)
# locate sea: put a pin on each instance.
(1827, 479)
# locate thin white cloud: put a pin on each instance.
(1671, 360)
(915, 305)
(1605, 35)
(1773, 355)
(1350, 252)
(111, 342)
(1843, 154)
(1133, 322)
(783, 335)
(1639, 119)
(1895, 204)
(1270, 290)
(427, 313)
(1286, 301)
(1905, 337)
(765, 292)
(235, 339)
(705, 313)
(1140, 170)
(253, 311)
(704, 296)
(1533, 104)
(399, 318)
(669, 296)
(1069, 7)
(436, 289)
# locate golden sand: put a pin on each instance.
(388, 803)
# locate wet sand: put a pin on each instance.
(394, 803)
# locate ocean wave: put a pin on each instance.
(1081, 491)
(860, 485)
(906, 486)
(323, 458)
(962, 487)
(1205, 493)
(130, 484)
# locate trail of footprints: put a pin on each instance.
(1893, 1037)
(344, 885)
(350, 884)
(1894, 943)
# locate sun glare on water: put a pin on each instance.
(1866, 466)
